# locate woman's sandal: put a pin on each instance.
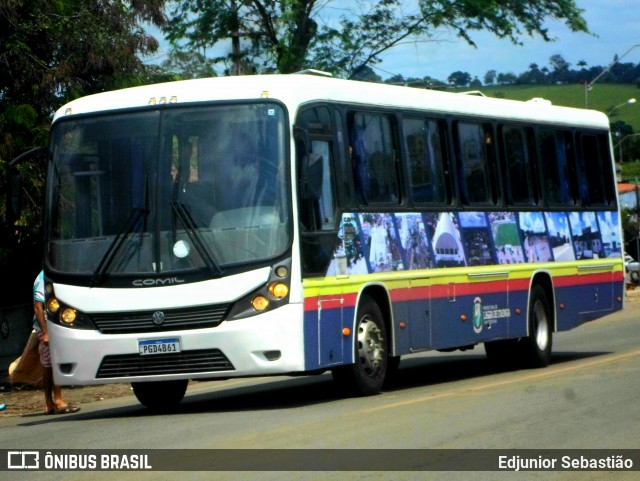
(69, 409)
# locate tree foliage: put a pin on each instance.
(287, 36)
(506, 19)
(52, 51)
(459, 79)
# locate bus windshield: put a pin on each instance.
(168, 190)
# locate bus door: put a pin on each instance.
(319, 224)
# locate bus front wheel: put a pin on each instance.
(367, 374)
(160, 395)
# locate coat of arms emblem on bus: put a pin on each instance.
(477, 315)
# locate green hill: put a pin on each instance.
(602, 97)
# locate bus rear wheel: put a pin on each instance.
(501, 353)
(367, 374)
(160, 395)
(535, 349)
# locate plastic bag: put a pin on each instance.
(27, 369)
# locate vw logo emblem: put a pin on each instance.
(158, 318)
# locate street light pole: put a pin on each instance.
(587, 86)
(628, 102)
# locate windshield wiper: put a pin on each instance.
(102, 269)
(190, 227)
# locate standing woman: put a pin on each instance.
(53, 402)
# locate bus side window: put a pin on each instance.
(594, 169)
(427, 162)
(373, 157)
(558, 168)
(518, 166)
(475, 148)
(318, 214)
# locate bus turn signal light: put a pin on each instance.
(53, 305)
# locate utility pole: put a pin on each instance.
(236, 54)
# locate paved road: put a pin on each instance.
(588, 398)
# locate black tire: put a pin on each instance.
(367, 374)
(393, 364)
(501, 354)
(535, 349)
(160, 395)
(635, 277)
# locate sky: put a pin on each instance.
(614, 26)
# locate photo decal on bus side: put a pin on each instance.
(384, 242)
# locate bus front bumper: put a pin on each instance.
(267, 344)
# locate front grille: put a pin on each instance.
(174, 319)
(186, 362)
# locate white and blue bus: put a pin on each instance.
(287, 224)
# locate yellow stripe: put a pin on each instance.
(459, 275)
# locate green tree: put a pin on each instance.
(560, 68)
(189, 65)
(532, 76)
(296, 34)
(367, 74)
(490, 77)
(459, 79)
(508, 78)
(52, 51)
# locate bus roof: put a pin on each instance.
(296, 89)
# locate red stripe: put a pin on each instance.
(439, 291)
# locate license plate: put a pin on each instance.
(158, 346)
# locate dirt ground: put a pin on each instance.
(22, 400)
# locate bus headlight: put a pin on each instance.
(68, 316)
(270, 296)
(260, 303)
(278, 290)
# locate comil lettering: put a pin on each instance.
(167, 281)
